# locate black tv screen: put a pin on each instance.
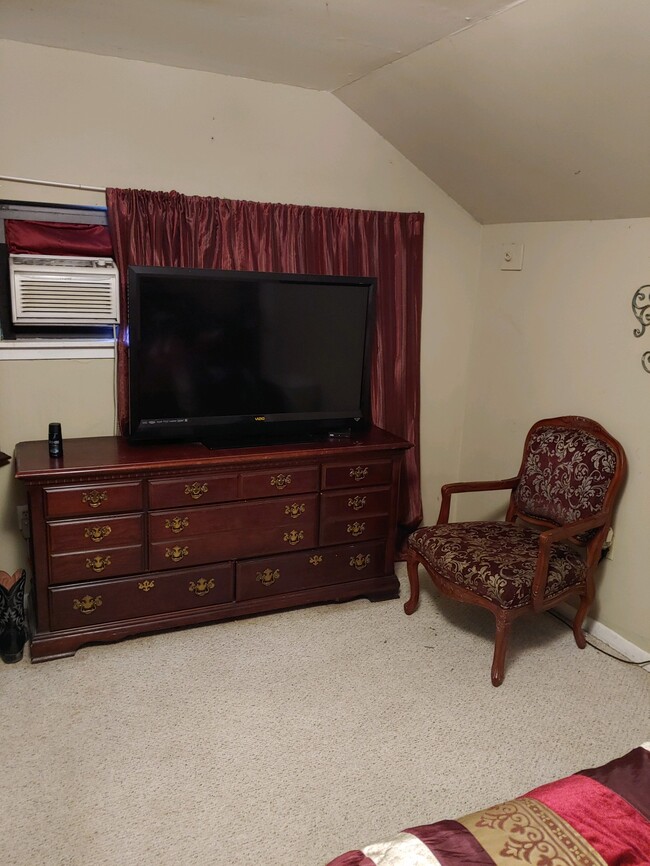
(223, 356)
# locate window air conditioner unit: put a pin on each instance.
(63, 290)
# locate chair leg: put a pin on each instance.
(578, 620)
(414, 582)
(500, 646)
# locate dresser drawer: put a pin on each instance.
(278, 481)
(354, 528)
(147, 595)
(291, 572)
(105, 563)
(222, 544)
(366, 473)
(96, 499)
(251, 517)
(192, 490)
(353, 503)
(66, 536)
(354, 515)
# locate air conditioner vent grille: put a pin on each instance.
(59, 291)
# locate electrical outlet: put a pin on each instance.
(609, 544)
(23, 520)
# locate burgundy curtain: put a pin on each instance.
(57, 239)
(174, 230)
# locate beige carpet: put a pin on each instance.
(290, 738)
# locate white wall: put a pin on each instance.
(557, 339)
(93, 120)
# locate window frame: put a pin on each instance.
(57, 341)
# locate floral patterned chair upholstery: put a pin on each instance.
(548, 546)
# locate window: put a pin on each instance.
(27, 341)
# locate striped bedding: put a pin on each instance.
(595, 817)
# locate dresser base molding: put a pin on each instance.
(130, 539)
(63, 644)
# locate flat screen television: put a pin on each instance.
(230, 357)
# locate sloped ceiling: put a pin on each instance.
(317, 44)
(542, 113)
(521, 111)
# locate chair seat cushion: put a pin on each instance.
(496, 560)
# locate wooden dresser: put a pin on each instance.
(128, 539)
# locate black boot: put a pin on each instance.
(13, 632)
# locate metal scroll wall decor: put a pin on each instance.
(641, 309)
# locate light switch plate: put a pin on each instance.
(512, 257)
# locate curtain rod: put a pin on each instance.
(53, 183)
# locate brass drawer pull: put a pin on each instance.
(294, 510)
(316, 559)
(98, 563)
(356, 528)
(201, 587)
(88, 604)
(360, 561)
(176, 553)
(95, 498)
(294, 536)
(196, 490)
(268, 577)
(359, 473)
(177, 524)
(146, 585)
(280, 481)
(97, 533)
(356, 503)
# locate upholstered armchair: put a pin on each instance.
(549, 544)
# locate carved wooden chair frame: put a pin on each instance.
(597, 526)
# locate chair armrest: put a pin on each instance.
(549, 537)
(470, 487)
(578, 527)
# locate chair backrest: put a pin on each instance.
(571, 469)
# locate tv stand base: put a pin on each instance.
(269, 440)
(340, 434)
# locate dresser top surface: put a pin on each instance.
(115, 454)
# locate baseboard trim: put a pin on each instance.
(607, 635)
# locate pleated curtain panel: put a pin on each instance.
(169, 229)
